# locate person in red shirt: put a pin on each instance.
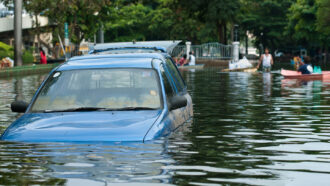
(43, 58)
(183, 60)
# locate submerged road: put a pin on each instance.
(256, 129)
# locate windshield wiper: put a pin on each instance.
(132, 108)
(77, 109)
(99, 109)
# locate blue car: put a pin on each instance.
(105, 97)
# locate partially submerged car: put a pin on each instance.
(116, 97)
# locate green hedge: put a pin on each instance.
(27, 57)
(8, 51)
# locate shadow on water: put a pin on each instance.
(254, 129)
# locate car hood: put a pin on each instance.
(82, 126)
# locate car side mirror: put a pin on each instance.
(177, 102)
(19, 106)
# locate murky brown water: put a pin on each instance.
(254, 129)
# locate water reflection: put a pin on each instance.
(255, 129)
(267, 83)
(76, 163)
(11, 89)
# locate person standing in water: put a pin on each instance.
(267, 61)
(43, 58)
(192, 58)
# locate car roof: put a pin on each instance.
(163, 46)
(127, 60)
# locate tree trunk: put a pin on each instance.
(220, 32)
(246, 44)
(326, 54)
(38, 29)
(225, 33)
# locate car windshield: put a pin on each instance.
(127, 50)
(99, 89)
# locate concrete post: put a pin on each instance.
(188, 46)
(18, 33)
(236, 51)
(101, 35)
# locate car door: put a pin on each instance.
(173, 118)
(181, 87)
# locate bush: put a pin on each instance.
(6, 47)
(8, 51)
(27, 57)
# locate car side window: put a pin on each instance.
(169, 89)
(176, 75)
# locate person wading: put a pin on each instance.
(43, 58)
(267, 61)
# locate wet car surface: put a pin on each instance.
(118, 97)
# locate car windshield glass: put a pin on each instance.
(99, 89)
(128, 50)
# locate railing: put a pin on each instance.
(206, 51)
(210, 51)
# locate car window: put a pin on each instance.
(176, 75)
(101, 88)
(169, 89)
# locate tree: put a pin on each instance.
(215, 14)
(36, 7)
(302, 19)
(266, 20)
(127, 21)
(323, 23)
(309, 24)
(140, 20)
(84, 17)
(323, 16)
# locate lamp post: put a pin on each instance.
(100, 32)
(236, 44)
(261, 45)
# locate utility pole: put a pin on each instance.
(66, 41)
(247, 44)
(101, 35)
(18, 33)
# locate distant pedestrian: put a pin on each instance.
(192, 58)
(267, 61)
(305, 68)
(297, 60)
(183, 60)
(43, 58)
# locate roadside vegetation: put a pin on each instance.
(8, 51)
(273, 23)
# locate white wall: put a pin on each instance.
(7, 23)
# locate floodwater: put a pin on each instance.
(254, 129)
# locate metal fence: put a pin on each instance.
(206, 51)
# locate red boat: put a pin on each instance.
(291, 74)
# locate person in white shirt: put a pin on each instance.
(267, 61)
(192, 58)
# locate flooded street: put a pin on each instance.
(255, 129)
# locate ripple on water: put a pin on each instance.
(248, 129)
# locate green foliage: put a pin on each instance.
(266, 20)
(6, 51)
(83, 16)
(302, 18)
(309, 23)
(215, 14)
(5, 47)
(273, 23)
(27, 57)
(138, 21)
(323, 17)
